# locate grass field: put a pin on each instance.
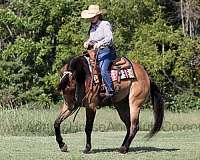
(165, 146)
(40, 122)
(29, 135)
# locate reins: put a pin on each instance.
(76, 114)
(71, 109)
(76, 108)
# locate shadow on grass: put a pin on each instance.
(137, 150)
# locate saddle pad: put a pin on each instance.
(124, 74)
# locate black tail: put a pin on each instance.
(158, 108)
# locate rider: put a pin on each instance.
(101, 36)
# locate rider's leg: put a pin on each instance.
(105, 58)
(104, 66)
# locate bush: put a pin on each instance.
(37, 37)
(183, 102)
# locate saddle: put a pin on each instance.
(120, 69)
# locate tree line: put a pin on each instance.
(37, 37)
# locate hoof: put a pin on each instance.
(123, 150)
(64, 148)
(87, 149)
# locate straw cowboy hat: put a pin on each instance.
(93, 10)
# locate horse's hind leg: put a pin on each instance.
(64, 113)
(134, 124)
(90, 115)
(124, 113)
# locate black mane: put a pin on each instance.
(79, 66)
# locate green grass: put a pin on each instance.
(40, 122)
(28, 135)
(164, 146)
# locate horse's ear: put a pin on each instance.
(63, 69)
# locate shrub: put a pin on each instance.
(183, 102)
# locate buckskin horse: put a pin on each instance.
(132, 94)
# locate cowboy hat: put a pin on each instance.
(93, 10)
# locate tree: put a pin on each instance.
(190, 15)
(166, 55)
(37, 37)
(29, 40)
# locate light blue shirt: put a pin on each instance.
(101, 33)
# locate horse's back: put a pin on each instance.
(140, 72)
(142, 84)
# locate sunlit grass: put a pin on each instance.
(40, 122)
(165, 146)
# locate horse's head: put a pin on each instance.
(78, 68)
(75, 69)
(66, 77)
(67, 85)
(72, 76)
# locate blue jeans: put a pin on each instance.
(105, 57)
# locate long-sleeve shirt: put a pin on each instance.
(101, 33)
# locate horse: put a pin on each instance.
(132, 94)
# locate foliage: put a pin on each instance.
(166, 55)
(183, 102)
(37, 37)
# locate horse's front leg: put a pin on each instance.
(64, 113)
(90, 115)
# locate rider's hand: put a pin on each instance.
(86, 44)
(97, 45)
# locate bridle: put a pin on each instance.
(65, 73)
(76, 106)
